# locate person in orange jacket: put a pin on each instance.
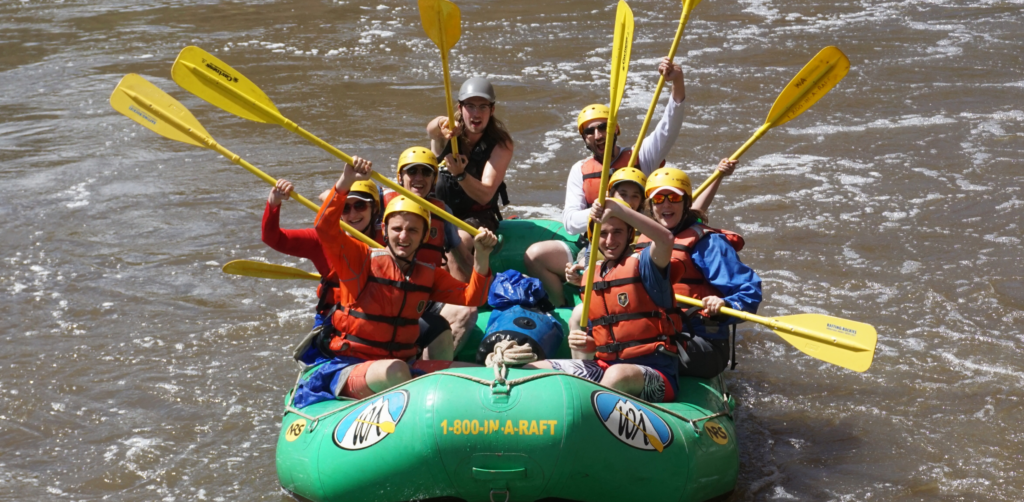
(368, 340)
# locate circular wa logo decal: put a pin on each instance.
(631, 422)
(371, 422)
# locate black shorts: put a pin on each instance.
(431, 325)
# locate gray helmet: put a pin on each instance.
(477, 87)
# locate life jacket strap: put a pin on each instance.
(620, 346)
(403, 285)
(388, 346)
(393, 321)
(602, 285)
(612, 319)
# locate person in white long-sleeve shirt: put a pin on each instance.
(547, 260)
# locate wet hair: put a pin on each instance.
(495, 133)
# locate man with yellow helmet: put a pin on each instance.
(704, 266)
(628, 330)
(443, 327)
(369, 335)
(547, 260)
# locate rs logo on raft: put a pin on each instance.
(371, 422)
(631, 422)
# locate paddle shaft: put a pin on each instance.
(621, 46)
(657, 90)
(274, 117)
(213, 145)
(780, 326)
(774, 116)
(448, 99)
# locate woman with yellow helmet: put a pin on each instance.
(705, 266)
(362, 209)
(368, 341)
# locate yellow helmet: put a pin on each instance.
(401, 204)
(668, 177)
(628, 174)
(368, 187)
(416, 155)
(590, 226)
(591, 112)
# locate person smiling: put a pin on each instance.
(629, 330)
(368, 339)
(362, 209)
(547, 260)
(704, 266)
(443, 327)
(475, 181)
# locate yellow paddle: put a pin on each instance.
(251, 268)
(621, 45)
(816, 78)
(688, 6)
(443, 24)
(651, 438)
(224, 87)
(845, 343)
(388, 427)
(145, 103)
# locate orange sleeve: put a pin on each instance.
(349, 258)
(448, 289)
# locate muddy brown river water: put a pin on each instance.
(133, 369)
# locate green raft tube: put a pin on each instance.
(480, 434)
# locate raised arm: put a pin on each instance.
(657, 145)
(482, 190)
(349, 258)
(661, 237)
(703, 202)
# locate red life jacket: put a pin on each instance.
(625, 322)
(383, 322)
(592, 173)
(432, 251)
(686, 278)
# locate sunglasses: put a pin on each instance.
(600, 127)
(413, 171)
(359, 206)
(659, 198)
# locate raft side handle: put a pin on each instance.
(493, 474)
(507, 494)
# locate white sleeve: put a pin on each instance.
(656, 146)
(576, 212)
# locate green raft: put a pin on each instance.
(476, 434)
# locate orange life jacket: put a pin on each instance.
(432, 251)
(686, 278)
(383, 321)
(592, 173)
(625, 322)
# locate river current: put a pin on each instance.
(133, 369)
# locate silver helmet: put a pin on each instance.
(477, 87)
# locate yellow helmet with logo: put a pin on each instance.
(416, 155)
(669, 177)
(628, 174)
(591, 112)
(369, 188)
(401, 204)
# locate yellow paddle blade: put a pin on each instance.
(834, 329)
(622, 45)
(442, 21)
(816, 78)
(134, 85)
(266, 270)
(222, 86)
